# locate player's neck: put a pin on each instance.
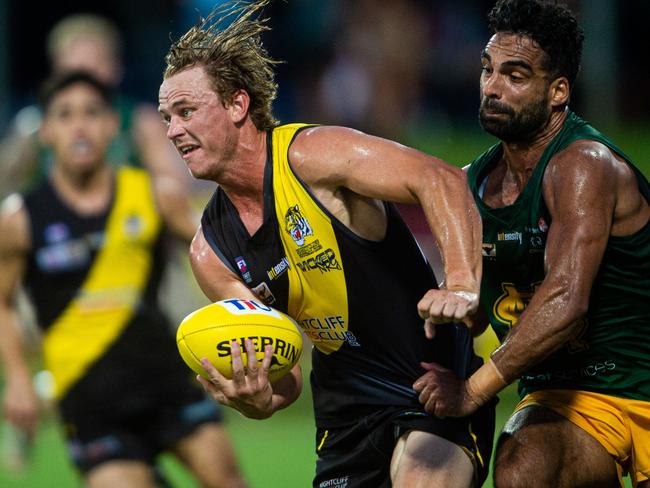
(86, 192)
(522, 157)
(244, 182)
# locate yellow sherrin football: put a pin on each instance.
(209, 332)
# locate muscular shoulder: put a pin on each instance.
(588, 174)
(585, 162)
(320, 154)
(14, 226)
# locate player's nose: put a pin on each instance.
(174, 129)
(491, 86)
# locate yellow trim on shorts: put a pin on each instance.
(597, 414)
(322, 441)
(478, 451)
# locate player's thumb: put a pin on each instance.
(429, 329)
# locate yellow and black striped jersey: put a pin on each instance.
(94, 284)
(355, 299)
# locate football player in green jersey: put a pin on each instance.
(566, 268)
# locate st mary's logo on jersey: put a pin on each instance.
(512, 302)
(297, 226)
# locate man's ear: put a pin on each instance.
(238, 106)
(559, 91)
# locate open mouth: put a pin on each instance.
(187, 150)
(81, 147)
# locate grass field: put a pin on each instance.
(275, 453)
(278, 453)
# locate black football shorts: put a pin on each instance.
(359, 455)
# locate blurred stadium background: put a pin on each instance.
(405, 69)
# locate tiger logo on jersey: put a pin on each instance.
(297, 226)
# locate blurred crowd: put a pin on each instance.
(388, 67)
(384, 66)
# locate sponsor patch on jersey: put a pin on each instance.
(133, 226)
(323, 262)
(56, 232)
(243, 269)
(488, 250)
(536, 242)
(309, 249)
(63, 256)
(264, 292)
(543, 226)
(331, 328)
(510, 236)
(296, 225)
(278, 269)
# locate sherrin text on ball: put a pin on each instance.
(210, 331)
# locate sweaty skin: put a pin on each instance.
(349, 173)
(591, 194)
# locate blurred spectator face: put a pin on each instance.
(91, 55)
(79, 126)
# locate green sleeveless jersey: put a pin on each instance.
(612, 352)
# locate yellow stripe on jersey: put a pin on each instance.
(317, 289)
(106, 301)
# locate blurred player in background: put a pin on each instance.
(297, 221)
(87, 243)
(566, 260)
(90, 43)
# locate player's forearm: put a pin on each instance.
(533, 340)
(12, 348)
(549, 322)
(551, 319)
(456, 225)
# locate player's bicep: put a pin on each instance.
(216, 280)
(370, 166)
(581, 201)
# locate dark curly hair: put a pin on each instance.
(550, 24)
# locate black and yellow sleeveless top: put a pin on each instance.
(612, 352)
(355, 299)
(94, 283)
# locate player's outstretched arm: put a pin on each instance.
(343, 158)
(20, 402)
(249, 391)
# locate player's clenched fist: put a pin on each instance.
(443, 394)
(441, 306)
